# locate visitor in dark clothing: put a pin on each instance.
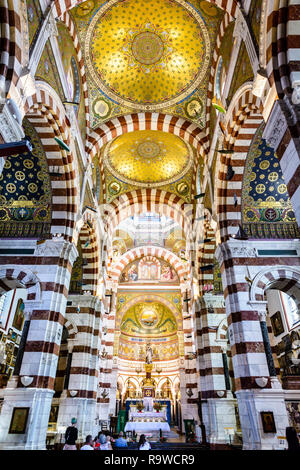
(292, 438)
(71, 436)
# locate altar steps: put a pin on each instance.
(171, 434)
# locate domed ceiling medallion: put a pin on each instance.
(147, 57)
(148, 157)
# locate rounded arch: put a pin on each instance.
(210, 91)
(149, 200)
(242, 119)
(14, 276)
(45, 112)
(117, 126)
(88, 237)
(284, 278)
(145, 251)
(61, 6)
(11, 45)
(71, 326)
(222, 331)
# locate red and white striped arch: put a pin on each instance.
(10, 45)
(284, 278)
(14, 276)
(115, 127)
(46, 113)
(149, 200)
(146, 251)
(210, 89)
(242, 120)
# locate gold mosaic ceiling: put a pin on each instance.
(148, 157)
(147, 54)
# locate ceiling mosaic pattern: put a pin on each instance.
(148, 158)
(147, 56)
(266, 207)
(25, 191)
(150, 57)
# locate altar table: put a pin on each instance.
(146, 426)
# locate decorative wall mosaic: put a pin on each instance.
(47, 70)
(255, 16)
(35, 18)
(266, 208)
(243, 72)
(148, 319)
(71, 67)
(147, 271)
(135, 348)
(25, 192)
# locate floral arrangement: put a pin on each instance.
(140, 406)
(157, 406)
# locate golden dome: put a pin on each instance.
(147, 55)
(144, 157)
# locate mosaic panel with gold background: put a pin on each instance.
(243, 72)
(47, 70)
(71, 67)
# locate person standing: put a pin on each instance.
(88, 445)
(71, 436)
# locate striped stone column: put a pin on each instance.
(254, 389)
(106, 395)
(80, 398)
(218, 407)
(52, 264)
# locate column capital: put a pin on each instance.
(235, 249)
(11, 130)
(58, 247)
(259, 306)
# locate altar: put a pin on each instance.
(147, 421)
(146, 426)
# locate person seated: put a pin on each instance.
(97, 443)
(106, 445)
(143, 443)
(88, 445)
(120, 442)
